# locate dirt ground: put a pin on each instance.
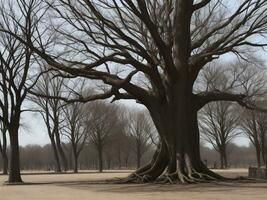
(86, 186)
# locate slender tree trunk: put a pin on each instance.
(138, 155)
(61, 151)
(4, 153)
(263, 152)
(56, 156)
(5, 163)
(221, 160)
(75, 158)
(100, 158)
(126, 163)
(75, 164)
(119, 158)
(14, 165)
(225, 159)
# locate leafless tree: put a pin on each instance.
(168, 43)
(219, 120)
(3, 147)
(51, 110)
(219, 127)
(102, 120)
(119, 143)
(140, 130)
(17, 74)
(75, 129)
(254, 125)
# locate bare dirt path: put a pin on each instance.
(83, 186)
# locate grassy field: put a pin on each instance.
(87, 185)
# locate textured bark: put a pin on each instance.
(178, 158)
(14, 165)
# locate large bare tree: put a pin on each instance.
(167, 43)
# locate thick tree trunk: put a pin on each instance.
(178, 158)
(258, 154)
(14, 165)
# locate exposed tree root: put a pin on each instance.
(180, 176)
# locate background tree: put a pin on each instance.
(75, 129)
(169, 43)
(51, 110)
(102, 120)
(218, 127)
(17, 75)
(140, 131)
(219, 120)
(254, 125)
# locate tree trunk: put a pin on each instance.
(3, 149)
(75, 164)
(225, 159)
(56, 157)
(119, 158)
(258, 154)
(100, 159)
(61, 151)
(138, 156)
(178, 158)
(14, 165)
(5, 163)
(221, 160)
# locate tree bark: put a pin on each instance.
(225, 159)
(258, 154)
(60, 150)
(14, 165)
(56, 157)
(221, 160)
(178, 158)
(5, 163)
(4, 153)
(75, 163)
(100, 159)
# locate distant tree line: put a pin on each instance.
(116, 157)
